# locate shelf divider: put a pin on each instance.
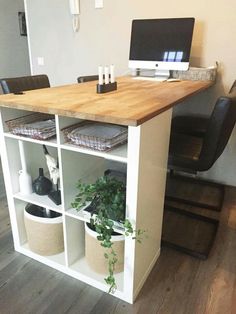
(118, 154)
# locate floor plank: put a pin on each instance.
(178, 284)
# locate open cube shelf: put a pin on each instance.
(139, 159)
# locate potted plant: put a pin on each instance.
(107, 196)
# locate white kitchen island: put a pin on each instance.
(145, 107)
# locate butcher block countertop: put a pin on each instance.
(133, 103)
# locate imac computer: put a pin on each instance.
(161, 45)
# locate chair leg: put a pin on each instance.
(175, 198)
(213, 223)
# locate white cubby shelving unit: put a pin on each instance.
(146, 174)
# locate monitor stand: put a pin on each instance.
(158, 75)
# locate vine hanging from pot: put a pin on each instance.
(107, 199)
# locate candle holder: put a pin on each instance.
(105, 88)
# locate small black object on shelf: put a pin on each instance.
(105, 88)
(55, 196)
(42, 185)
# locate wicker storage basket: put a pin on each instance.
(16, 126)
(45, 235)
(196, 74)
(88, 134)
(94, 252)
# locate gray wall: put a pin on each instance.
(104, 39)
(2, 188)
(14, 57)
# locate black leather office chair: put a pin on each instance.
(87, 78)
(195, 125)
(193, 153)
(24, 83)
(199, 154)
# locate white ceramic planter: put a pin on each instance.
(45, 235)
(94, 252)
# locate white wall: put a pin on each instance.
(104, 38)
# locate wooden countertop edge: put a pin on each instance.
(167, 107)
(102, 118)
(72, 114)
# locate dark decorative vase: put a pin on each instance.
(42, 185)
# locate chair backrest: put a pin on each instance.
(24, 83)
(218, 132)
(88, 78)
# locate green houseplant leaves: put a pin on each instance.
(108, 197)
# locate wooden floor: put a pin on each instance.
(178, 284)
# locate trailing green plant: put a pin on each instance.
(107, 196)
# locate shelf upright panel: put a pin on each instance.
(8, 185)
(61, 182)
(146, 175)
(61, 185)
(65, 122)
(75, 236)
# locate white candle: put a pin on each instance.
(100, 75)
(106, 75)
(112, 73)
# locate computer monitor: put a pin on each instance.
(161, 44)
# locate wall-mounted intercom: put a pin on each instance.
(74, 7)
(75, 11)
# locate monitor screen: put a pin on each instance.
(163, 44)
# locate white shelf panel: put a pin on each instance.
(40, 200)
(52, 142)
(48, 260)
(117, 154)
(83, 268)
(85, 216)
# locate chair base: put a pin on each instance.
(201, 250)
(198, 185)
